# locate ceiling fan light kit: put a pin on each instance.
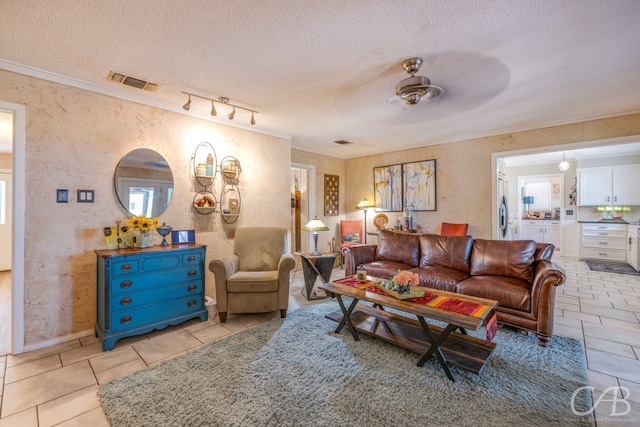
(416, 88)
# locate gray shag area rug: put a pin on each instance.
(298, 372)
(612, 267)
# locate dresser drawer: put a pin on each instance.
(153, 280)
(124, 266)
(604, 253)
(162, 311)
(161, 263)
(599, 242)
(128, 300)
(192, 258)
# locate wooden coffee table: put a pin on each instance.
(450, 347)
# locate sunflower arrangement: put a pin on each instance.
(143, 223)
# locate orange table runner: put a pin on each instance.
(442, 302)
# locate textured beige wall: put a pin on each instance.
(463, 183)
(6, 161)
(330, 166)
(74, 140)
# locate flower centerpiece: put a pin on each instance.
(400, 285)
(144, 225)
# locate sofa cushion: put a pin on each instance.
(439, 277)
(509, 258)
(253, 281)
(508, 291)
(446, 251)
(384, 269)
(400, 247)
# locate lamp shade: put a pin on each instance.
(316, 225)
(528, 200)
(365, 204)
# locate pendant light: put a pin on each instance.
(564, 165)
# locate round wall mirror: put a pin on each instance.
(143, 183)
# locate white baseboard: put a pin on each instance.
(58, 340)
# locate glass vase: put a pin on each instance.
(145, 240)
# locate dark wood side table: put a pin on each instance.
(312, 267)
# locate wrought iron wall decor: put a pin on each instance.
(331, 195)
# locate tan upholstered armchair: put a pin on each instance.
(255, 279)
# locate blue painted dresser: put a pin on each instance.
(140, 290)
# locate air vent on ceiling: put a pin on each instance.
(132, 81)
(342, 142)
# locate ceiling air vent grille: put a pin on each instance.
(133, 82)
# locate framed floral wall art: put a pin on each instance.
(419, 185)
(387, 182)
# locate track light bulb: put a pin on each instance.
(213, 109)
(253, 120)
(232, 114)
(187, 104)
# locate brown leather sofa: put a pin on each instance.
(519, 274)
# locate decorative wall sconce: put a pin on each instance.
(221, 100)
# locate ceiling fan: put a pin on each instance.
(416, 88)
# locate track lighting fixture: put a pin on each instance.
(221, 100)
(187, 104)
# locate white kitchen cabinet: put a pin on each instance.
(542, 231)
(604, 241)
(632, 246)
(605, 186)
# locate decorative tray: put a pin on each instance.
(380, 221)
(413, 293)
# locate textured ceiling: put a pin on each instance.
(320, 71)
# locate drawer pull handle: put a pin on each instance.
(125, 267)
(192, 273)
(603, 254)
(125, 301)
(191, 303)
(192, 258)
(192, 288)
(125, 284)
(603, 243)
(603, 234)
(125, 319)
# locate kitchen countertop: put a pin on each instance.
(605, 221)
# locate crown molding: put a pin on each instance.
(92, 87)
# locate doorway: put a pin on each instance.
(12, 163)
(302, 184)
(6, 165)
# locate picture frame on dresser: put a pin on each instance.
(387, 183)
(419, 185)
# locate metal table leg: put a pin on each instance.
(346, 319)
(435, 346)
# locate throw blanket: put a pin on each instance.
(442, 302)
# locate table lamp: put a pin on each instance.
(364, 205)
(316, 225)
(528, 200)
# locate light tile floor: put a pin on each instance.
(57, 385)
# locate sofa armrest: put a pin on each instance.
(222, 268)
(548, 275)
(355, 255)
(285, 265)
